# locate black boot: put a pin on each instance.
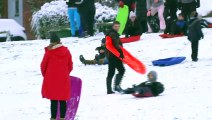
(118, 80)
(109, 88)
(82, 59)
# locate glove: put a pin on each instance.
(121, 4)
(121, 56)
(202, 37)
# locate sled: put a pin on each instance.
(122, 17)
(168, 61)
(130, 39)
(143, 92)
(210, 26)
(130, 60)
(170, 36)
(73, 103)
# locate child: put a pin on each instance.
(100, 58)
(194, 34)
(56, 67)
(176, 27)
(133, 27)
(147, 89)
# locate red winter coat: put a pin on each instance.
(56, 67)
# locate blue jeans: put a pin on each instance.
(74, 17)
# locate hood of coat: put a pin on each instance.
(57, 50)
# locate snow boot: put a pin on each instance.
(109, 88)
(118, 80)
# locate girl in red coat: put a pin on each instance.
(56, 67)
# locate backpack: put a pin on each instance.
(153, 22)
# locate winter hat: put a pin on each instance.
(54, 38)
(194, 14)
(154, 75)
(132, 14)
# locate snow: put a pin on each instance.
(205, 7)
(187, 93)
(15, 30)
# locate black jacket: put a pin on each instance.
(194, 30)
(74, 3)
(141, 10)
(116, 42)
(133, 28)
(87, 5)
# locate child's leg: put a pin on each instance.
(53, 109)
(194, 47)
(161, 17)
(62, 109)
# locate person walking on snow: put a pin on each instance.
(157, 6)
(87, 12)
(187, 7)
(115, 62)
(74, 17)
(55, 68)
(194, 34)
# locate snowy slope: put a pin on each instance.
(188, 85)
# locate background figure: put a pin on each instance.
(141, 10)
(129, 3)
(157, 6)
(73, 17)
(87, 12)
(194, 34)
(188, 6)
(171, 9)
(133, 28)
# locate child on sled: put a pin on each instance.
(149, 88)
(176, 27)
(99, 59)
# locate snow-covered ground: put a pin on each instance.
(188, 85)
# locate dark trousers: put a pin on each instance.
(87, 21)
(114, 63)
(54, 104)
(173, 12)
(194, 47)
(187, 9)
(144, 27)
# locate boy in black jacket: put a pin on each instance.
(115, 62)
(176, 27)
(100, 58)
(133, 27)
(149, 88)
(194, 34)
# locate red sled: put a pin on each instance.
(130, 39)
(210, 26)
(170, 36)
(130, 60)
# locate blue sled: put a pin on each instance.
(168, 61)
